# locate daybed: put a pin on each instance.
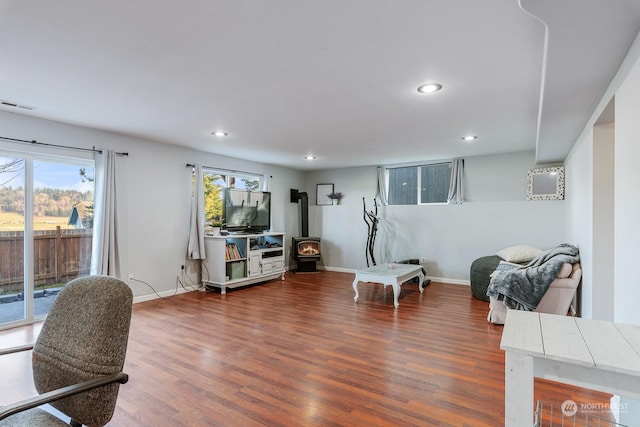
(557, 299)
(546, 284)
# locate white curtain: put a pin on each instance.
(456, 188)
(196, 233)
(105, 255)
(382, 186)
(265, 183)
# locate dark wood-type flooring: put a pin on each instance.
(301, 352)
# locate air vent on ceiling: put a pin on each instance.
(6, 103)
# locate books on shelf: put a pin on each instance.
(232, 252)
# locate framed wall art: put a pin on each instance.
(545, 184)
(322, 194)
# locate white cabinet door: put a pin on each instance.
(267, 266)
(254, 264)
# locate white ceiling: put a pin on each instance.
(332, 78)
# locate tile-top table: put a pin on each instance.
(389, 274)
(587, 353)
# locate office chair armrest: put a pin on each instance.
(16, 349)
(61, 393)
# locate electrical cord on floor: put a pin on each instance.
(187, 279)
(186, 288)
(204, 268)
(153, 289)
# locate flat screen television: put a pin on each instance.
(246, 211)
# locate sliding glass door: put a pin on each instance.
(46, 222)
(12, 232)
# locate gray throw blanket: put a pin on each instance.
(522, 288)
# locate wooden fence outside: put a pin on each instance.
(59, 256)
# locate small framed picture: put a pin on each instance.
(545, 183)
(322, 194)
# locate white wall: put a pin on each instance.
(590, 172)
(603, 221)
(154, 187)
(500, 177)
(602, 210)
(590, 189)
(450, 237)
(579, 213)
(627, 198)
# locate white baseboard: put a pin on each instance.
(338, 269)
(450, 281)
(169, 293)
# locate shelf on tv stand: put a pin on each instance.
(245, 233)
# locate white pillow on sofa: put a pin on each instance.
(519, 253)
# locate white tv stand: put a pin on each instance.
(238, 260)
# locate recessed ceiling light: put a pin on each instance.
(430, 88)
(469, 138)
(309, 157)
(219, 133)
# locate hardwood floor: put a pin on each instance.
(301, 352)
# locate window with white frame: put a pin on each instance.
(46, 225)
(215, 181)
(419, 185)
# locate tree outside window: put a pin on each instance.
(215, 182)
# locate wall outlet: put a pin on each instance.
(422, 260)
(130, 276)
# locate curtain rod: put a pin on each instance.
(34, 142)
(189, 165)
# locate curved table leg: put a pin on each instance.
(421, 281)
(397, 287)
(355, 288)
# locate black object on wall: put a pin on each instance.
(304, 210)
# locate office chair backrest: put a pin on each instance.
(84, 336)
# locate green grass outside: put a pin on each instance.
(12, 221)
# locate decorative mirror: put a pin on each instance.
(545, 184)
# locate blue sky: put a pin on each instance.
(51, 175)
(55, 175)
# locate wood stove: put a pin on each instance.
(305, 250)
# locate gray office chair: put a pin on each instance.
(79, 355)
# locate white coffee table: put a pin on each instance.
(389, 276)
(593, 354)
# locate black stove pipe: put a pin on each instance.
(304, 209)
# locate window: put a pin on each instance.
(46, 221)
(416, 185)
(215, 181)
